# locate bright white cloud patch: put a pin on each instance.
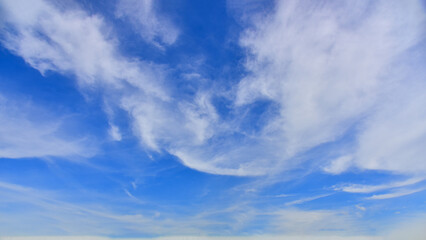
(151, 26)
(328, 66)
(339, 165)
(72, 42)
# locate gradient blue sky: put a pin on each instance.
(218, 119)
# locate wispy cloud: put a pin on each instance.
(311, 222)
(321, 87)
(359, 188)
(23, 135)
(57, 215)
(70, 41)
(328, 67)
(148, 22)
(304, 200)
(322, 68)
(395, 194)
(321, 73)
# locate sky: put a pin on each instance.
(214, 120)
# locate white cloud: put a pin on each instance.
(147, 21)
(361, 207)
(54, 214)
(49, 212)
(328, 67)
(394, 137)
(395, 194)
(72, 42)
(339, 165)
(23, 134)
(359, 188)
(325, 66)
(308, 199)
(114, 132)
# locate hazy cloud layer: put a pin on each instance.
(24, 133)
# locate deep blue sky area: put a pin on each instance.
(212, 119)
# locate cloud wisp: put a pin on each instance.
(24, 135)
(358, 188)
(395, 194)
(327, 65)
(151, 26)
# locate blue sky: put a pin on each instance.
(212, 119)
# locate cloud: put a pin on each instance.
(50, 212)
(412, 228)
(70, 41)
(396, 194)
(115, 133)
(393, 138)
(318, 71)
(147, 21)
(327, 66)
(23, 134)
(339, 165)
(315, 222)
(323, 69)
(46, 211)
(308, 199)
(74, 43)
(359, 188)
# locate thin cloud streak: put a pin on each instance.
(395, 194)
(304, 200)
(358, 188)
